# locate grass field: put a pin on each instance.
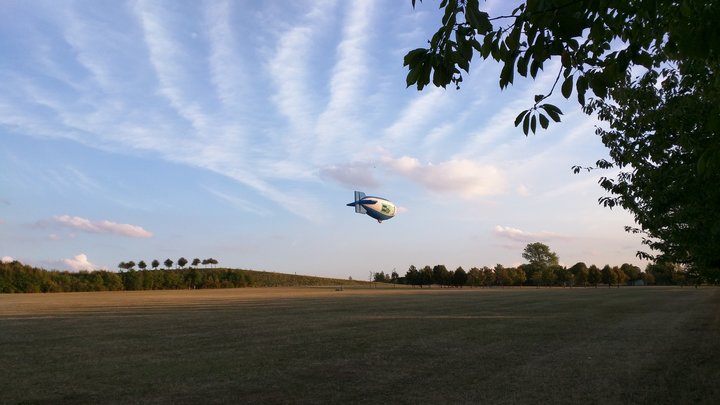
(651, 345)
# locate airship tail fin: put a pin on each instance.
(359, 195)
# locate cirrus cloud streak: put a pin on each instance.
(524, 236)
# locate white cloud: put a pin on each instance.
(356, 174)
(524, 236)
(456, 176)
(103, 226)
(348, 78)
(6, 259)
(417, 116)
(79, 262)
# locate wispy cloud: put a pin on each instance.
(413, 121)
(348, 79)
(291, 72)
(103, 226)
(355, 174)
(520, 235)
(166, 58)
(238, 202)
(226, 67)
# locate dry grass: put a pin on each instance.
(315, 345)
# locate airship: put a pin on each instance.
(376, 207)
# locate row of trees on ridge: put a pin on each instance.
(181, 263)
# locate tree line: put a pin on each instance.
(529, 275)
(543, 269)
(181, 263)
(16, 277)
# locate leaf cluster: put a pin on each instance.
(597, 42)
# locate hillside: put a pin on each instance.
(16, 277)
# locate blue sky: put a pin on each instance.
(140, 130)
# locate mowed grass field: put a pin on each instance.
(652, 345)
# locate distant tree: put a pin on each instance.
(380, 277)
(488, 276)
(194, 278)
(460, 277)
(531, 270)
(168, 263)
(537, 277)
(679, 276)
(209, 261)
(621, 278)
(130, 265)
(155, 263)
(171, 280)
(122, 265)
(182, 262)
(195, 262)
(502, 275)
(632, 273)
(594, 276)
(662, 271)
(563, 276)
(648, 278)
(550, 274)
(609, 276)
(540, 254)
(517, 276)
(112, 281)
(142, 265)
(475, 277)
(426, 276)
(580, 273)
(132, 280)
(440, 275)
(394, 277)
(412, 276)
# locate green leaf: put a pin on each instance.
(414, 56)
(520, 117)
(522, 65)
(533, 123)
(581, 86)
(552, 111)
(479, 20)
(526, 124)
(534, 66)
(544, 122)
(507, 74)
(449, 13)
(413, 75)
(513, 40)
(424, 77)
(566, 88)
(440, 77)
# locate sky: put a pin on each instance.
(238, 130)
